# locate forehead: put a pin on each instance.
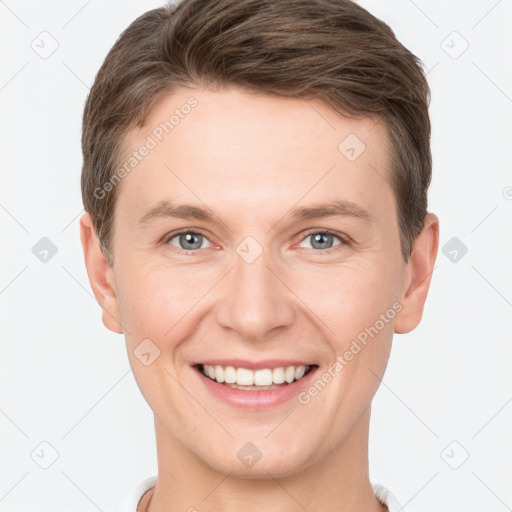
(245, 148)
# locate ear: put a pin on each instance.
(100, 275)
(418, 276)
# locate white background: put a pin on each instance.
(66, 380)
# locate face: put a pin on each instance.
(263, 272)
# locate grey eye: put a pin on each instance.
(322, 240)
(189, 240)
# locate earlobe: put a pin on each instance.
(100, 275)
(419, 274)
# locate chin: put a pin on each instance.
(265, 468)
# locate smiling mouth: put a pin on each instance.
(246, 379)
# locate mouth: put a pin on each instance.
(263, 379)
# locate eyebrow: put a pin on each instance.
(341, 207)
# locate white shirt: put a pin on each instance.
(131, 501)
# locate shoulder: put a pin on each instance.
(130, 502)
(386, 497)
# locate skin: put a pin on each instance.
(251, 159)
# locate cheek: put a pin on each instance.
(155, 301)
(358, 308)
(348, 297)
(157, 304)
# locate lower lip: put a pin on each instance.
(258, 399)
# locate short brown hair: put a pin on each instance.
(332, 50)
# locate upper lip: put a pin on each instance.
(255, 365)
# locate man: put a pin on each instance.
(255, 184)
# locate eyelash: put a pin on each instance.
(343, 239)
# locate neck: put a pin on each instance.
(337, 483)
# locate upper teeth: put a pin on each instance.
(246, 377)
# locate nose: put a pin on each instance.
(255, 302)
